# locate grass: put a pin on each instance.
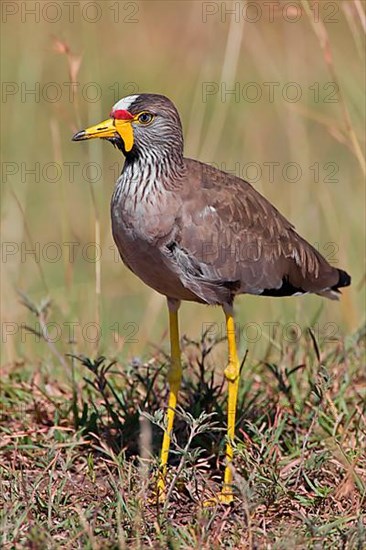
(81, 411)
(79, 460)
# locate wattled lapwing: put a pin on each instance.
(193, 232)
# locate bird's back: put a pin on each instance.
(234, 239)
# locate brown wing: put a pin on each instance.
(234, 241)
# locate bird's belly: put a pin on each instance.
(148, 262)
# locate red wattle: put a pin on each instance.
(121, 114)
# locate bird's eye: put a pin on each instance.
(145, 118)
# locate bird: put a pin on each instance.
(195, 233)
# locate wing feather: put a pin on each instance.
(240, 241)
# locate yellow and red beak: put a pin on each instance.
(110, 128)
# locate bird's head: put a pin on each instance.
(144, 124)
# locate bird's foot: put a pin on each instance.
(226, 496)
(157, 498)
(160, 495)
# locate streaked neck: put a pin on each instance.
(145, 176)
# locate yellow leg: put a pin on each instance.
(232, 375)
(174, 379)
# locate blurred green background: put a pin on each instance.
(106, 50)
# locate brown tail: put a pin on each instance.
(333, 292)
(344, 280)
